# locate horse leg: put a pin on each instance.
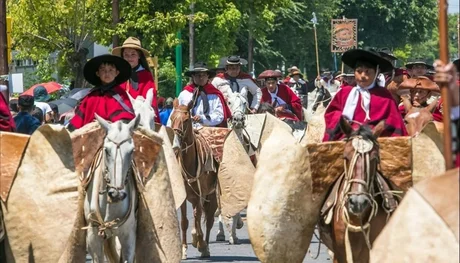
(95, 245)
(127, 238)
(233, 239)
(184, 227)
(209, 209)
(198, 235)
(221, 233)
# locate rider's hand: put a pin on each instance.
(279, 109)
(447, 73)
(318, 77)
(196, 118)
(253, 111)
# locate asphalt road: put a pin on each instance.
(223, 252)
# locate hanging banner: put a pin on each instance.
(344, 35)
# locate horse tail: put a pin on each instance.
(110, 250)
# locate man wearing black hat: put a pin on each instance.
(26, 123)
(209, 107)
(417, 68)
(107, 99)
(237, 81)
(366, 102)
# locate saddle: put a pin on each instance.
(210, 143)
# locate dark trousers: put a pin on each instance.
(323, 97)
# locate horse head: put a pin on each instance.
(238, 106)
(117, 153)
(144, 108)
(417, 118)
(181, 123)
(362, 156)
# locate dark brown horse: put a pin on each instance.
(192, 154)
(360, 201)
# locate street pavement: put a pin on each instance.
(223, 252)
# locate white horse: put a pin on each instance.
(238, 105)
(144, 108)
(111, 198)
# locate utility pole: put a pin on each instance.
(191, 28)
(115, 20)
(250, 37)
(179, 63)
(3, 49)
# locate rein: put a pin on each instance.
(106, 177)
(105, 229)
(362, 149)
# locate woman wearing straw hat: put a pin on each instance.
(141, 79)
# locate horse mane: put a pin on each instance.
(266, 107)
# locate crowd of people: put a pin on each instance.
(363, 95)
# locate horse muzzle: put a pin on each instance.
(115, 195)
(357, 204)
(176, 142)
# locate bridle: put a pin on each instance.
(106, 177)
(363, 149)
(182, 131)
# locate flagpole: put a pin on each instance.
(444, 56)
(315, 22)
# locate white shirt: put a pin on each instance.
(331, 85)
(246, 85)
(216, 109)
(45, 107)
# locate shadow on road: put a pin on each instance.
(223, 259)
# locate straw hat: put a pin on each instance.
(419, 83)
(133, 43)
(296, 72)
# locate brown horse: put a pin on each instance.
(417, 117)
(192, 153)
(360, 202)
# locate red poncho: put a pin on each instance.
(382, 107)
(145, 82)
(210, 89)
(286, 94)
(6, 120)
(104, 105)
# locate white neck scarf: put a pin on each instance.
(352, 102)
(274, 95)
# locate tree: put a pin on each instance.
(64, 27)
(391, 23)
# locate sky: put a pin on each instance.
(454, 6)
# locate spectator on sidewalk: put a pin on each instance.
(26, 123)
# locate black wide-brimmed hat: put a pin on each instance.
(235, 60)
(418, 61)
(92, 66)
(351, 57)
(385, 52)
(457, 64)
(200, 67)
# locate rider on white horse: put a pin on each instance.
(238, 82)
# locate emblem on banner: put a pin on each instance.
(344, 34)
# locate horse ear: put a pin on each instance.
(105, 124)
(175, 103)
(432, 106)
(131, 99)
(379, 128)
(345, 126)
(406, 103)
(134, 123)
(149, 96)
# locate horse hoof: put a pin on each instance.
(205, 253)
(202, 247)
(240, 223)
(220, 237)
(233, 240)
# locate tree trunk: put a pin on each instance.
(192, 36)
(3, 48)
(115, 20)
(250, 38)
(76, 62)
